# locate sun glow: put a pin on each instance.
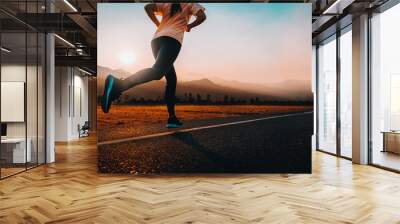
(127, 58)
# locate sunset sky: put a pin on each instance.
(248, 42)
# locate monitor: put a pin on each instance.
(3, 129)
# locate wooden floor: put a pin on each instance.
(387, 159)
(5, 172)
(71, 191)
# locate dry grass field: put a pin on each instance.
(125, 121)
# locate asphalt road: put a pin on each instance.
(276, 144)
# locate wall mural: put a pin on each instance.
(204, 88)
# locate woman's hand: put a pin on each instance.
(151, 10)
(200, 18)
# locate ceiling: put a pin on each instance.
(75, 22)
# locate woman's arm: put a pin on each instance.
(151, 10)
(200, 17)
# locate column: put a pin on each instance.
(360, 90)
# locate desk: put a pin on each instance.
(13, 150)
(391, 141)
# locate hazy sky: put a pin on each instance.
(248, 42)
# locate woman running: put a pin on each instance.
(165, 45)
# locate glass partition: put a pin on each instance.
(22, 66)
(14, 153)
(41, 97)
(31, 98)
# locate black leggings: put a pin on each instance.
(165, 50)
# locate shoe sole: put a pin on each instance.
(106, 96)
(173, 126)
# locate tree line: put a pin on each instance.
(198, 99)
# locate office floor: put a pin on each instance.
(387, 159)
(9, 170)
(71, 191)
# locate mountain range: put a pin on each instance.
(291, 90)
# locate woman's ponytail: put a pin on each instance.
(175, 8)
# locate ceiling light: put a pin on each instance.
(65, 41)
(84, 71)
(79, 51)
(70, 5)
(5, 50)
(327, 11)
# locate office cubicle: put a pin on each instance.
(22, 77)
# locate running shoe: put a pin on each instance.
(110, 94)
(173, 122)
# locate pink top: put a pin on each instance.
(175, 26)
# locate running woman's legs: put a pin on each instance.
(170, 91)
(170, 98)
(166, 50)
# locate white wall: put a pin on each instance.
(33, 126)
(13, 73)
(62, 81)
(71, 103)
(82, 82)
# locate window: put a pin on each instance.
(385, 89)
(346, 93)
(327, 95)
